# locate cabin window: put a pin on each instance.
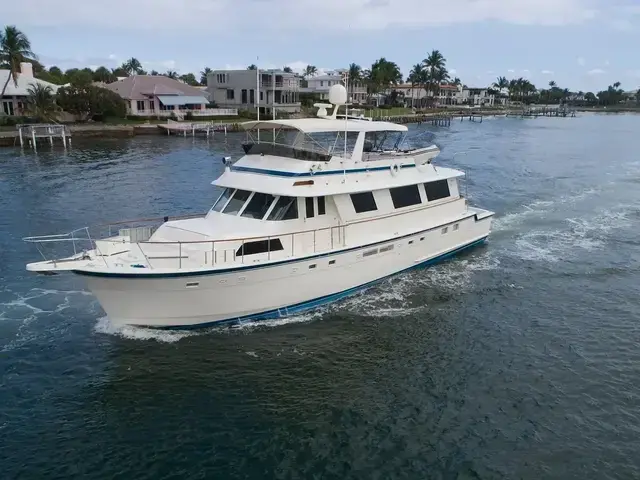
(308, 201)
(258, 205)
(286, 208)
(405, 196)
(437, 190)
(222, 200)
(321, 206)
(363, 202)
(261, 246)
(236, 202)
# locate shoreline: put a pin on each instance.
(9, 138)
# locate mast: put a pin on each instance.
(258, 95)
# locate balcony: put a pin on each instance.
(284, 84)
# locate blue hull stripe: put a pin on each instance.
(278, 173)
(317, 302)
(245, 268)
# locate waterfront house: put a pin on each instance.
(15, 97)
(415, 96)
(239, 89)
(321, 84)
(160, 96)
(477, 97)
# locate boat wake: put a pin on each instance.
(143, 334)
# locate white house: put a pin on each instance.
(15, 97)
(322, 83)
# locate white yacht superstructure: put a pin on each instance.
(298, 225)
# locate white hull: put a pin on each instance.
(190, 300)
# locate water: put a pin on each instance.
(520, 359)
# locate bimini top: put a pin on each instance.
(318, 125)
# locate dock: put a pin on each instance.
(193, 128)
(546, 111)
(32, 133)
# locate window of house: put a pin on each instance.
(308, 201)
(405, 196)
(152, 105)
(236, 202)
(222, 200)
(252, 96)
(258, 205)
(437, 190)
(321, 206)
(261, 96)
(286, 208)
(363, 202)
(140, 105)
(260, 246)
(231, 94)
(244, 95)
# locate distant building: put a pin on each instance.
(416, 95)
(321, 84)
(157, 95)
(477, 97)
(15, 97)
(239, 89)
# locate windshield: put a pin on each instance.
(315, 147)
(382, 141)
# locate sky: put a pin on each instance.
(580, 44)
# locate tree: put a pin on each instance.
(204, 74)
(155, 73)
(14, 49)
(253, 66)
(133, 67)
(103, 74)
(287, 69)
(417, 76)
(309, 71)
(40, 101)
(189, 79)
(435, 72)
(382, 74)
(78, 77)
(90, 101)
(355, 76)
(590, 98)
(171, 74)
(120, 72)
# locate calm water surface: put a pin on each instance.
(520, 359)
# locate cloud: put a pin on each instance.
(547, 72)
(293, 14)
(453, 71)
(511, 71)
(622, 25)
(596, 71)
(581, 61)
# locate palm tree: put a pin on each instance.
(253, 66)
(204, 74)
(436, 72)
(103, 74)
(383, 74)
(171, 74)
(40, 101)
(14, 49)
(416, 77)
(355, 76)
(310, 71)
(501, 84)
(133, 66)
(154, 73)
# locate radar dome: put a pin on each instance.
(338, 95)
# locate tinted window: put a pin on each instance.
(309, 206)
(363, 202)
(261, 246)
(321, 207)
(405, 196)
(236, 202)
(258, 205)
(285, 209)
(437, 190)
(223, 199)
